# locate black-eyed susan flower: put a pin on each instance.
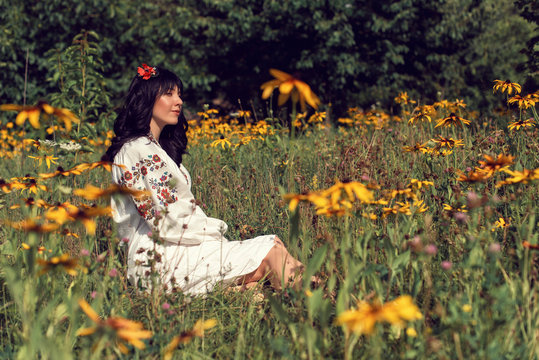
(507, 85)
(472, 176)
(490, 165)
(418, 147)
(418, 184)
(32, 113)
(186, 336)
(455, 209)
(422, 113)
(30, 225)
(525, 176)
(363, 319)
(398, 208)
(31, 185)
(223, 142)
(91, 192)
(125, 331)
(521, 123)
(63, 262)
(451, 120)
(403, 98)
(448, 142)
(501, 223)
(48, 159)
(524, 102)
(290, 86)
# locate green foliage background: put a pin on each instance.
(348, 51)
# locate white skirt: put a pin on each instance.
(195, 269)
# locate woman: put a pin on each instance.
(172, 242)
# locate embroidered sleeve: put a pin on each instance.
(170, 208)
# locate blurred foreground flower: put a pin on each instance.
(32, 113)
(84, 214)
(523, 176)
(507, 85)
(91, 192)
(289, 86)
(490, 165)
(64, 262)
(472, 176)
(124, 330)
(80, 168)
(527, 245)
(363, 319)
(336, 200)
(186, 336)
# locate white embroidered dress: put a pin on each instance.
(193, 254)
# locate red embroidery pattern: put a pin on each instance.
(143, 175)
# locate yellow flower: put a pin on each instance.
(317, 117)
(422, 113)
(400, 208)
(404, 99)
(418, 184)
(48, 159)
(30, 225)
(126, 331)
(418, 147)
(448, 142)
(289, 86)
(31, 185)
(500, 224)
(452, 119)
(186, 336)
(502, 86)
(32, 113)
(472, 176)
(491, 165)
(222, 141)
(91, 192)
(523, 176)
(524, 102)
(68, 264)
(420, 206)
(521, 123)
(363, 319)
(448, 207)
(467, 308)
(411, 332)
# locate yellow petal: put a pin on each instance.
(21, 117)
(280, 75)
(33, 118)
(11, 107)
(47, 108)
(86, 331)
(89, 311)
(286, 87)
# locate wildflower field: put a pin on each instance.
(421, 223)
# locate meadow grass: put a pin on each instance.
(467, 271)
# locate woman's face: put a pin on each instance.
(167, 108)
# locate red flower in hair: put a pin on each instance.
(146, 71)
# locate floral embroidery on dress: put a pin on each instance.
(160, 184)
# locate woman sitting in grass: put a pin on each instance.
(172, 242)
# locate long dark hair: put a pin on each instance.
(133, 120)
